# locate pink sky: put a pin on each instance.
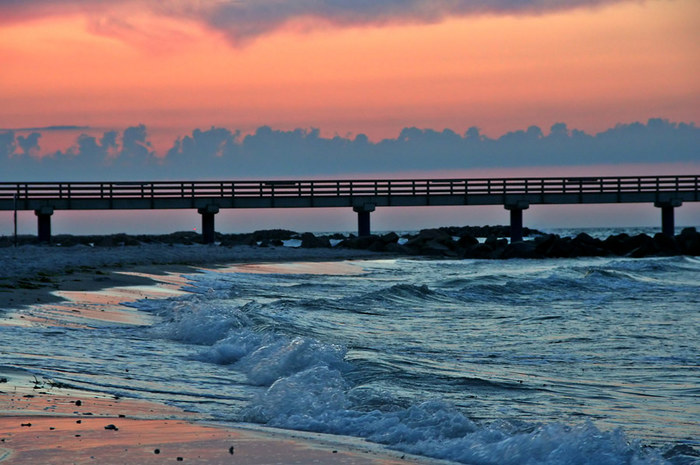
(111, 67)
(177, 66)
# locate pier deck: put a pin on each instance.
(208, 197)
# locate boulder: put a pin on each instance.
(273, 234)
(618, 244)
(309, 241)
(467, 240)
(583, 245)
(666, 245)
(362, 242)
(520, 249)
(432, 242)
(479, 251)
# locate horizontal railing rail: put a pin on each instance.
(347, 188)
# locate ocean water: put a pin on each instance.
(566, 361)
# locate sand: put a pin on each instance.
(45, 423)
(31, 274)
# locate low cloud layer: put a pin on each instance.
(219, 153)
(244, 19)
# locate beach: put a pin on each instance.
(45, 424)
(42, 421)
(31, 273)
(164, 353)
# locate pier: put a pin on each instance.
(364, 196)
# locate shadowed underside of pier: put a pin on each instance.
(208, 197)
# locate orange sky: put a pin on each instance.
(590, 68)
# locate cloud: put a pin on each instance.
(29, 143)
(8, 144)
(50, 128)
(219, 153)
(242, 20)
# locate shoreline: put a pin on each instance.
(42, 421)
(32, 275)
(142, 275)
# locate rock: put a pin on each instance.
(467, 240)
(309, 241)
(495, 243)
(583, 245)
(432, 242)
(689, 241)
(553, 246)
(618, 244)
(641, 245)
(520, 249)
(273, 234)
(112, 428)
(373, 242)
(485, 231)
(479, 251)
(666, 245)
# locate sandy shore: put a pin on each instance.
(42, 422)
(31, 274)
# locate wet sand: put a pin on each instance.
(31, 275)
(42, 422)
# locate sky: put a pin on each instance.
(145, 89)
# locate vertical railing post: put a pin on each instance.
(15, 216)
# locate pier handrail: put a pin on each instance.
(344, 188)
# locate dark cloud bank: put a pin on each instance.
(219, 153)
(241, 20)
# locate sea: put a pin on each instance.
(552, 361)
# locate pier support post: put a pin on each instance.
(667, 215)
(43, 216)
(363, 211)
(208, 212)
(516, 219)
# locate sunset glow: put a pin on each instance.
(589, 67)
(148, 90)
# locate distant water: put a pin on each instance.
(568, 361)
